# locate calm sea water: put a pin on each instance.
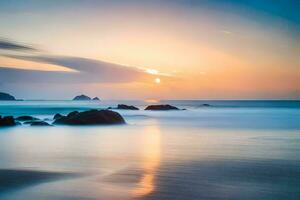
(229, 150)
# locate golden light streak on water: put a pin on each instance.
(151, 160)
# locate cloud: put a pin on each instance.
(226, 32)
(83, 70)
(9, 45)
(86, 71)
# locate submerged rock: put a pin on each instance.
(161, 107)
(91, 117)
(26, 118)
(82, 98)
(96, 99)
(205, 105)
(7, 121)
(126, 107)
(6, 97)
(39, 123)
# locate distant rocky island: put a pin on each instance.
(6, 97)
(85, 98)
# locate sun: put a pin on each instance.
(157, 80)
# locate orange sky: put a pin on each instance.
(204, 53)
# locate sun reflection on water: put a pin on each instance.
(151, 160)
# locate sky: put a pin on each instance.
(168, 49)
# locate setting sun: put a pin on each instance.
(157, 80)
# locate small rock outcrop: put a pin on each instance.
(96, 99)
(82, 98)
(161, 107)
(126, 107)
(56, 116)
(7, 121)
(6, 97)
(91, 117)
(26, 118)
(39, 123)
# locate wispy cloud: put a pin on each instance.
(226, 32)
(86, 71)
(10, 45)
(82, 70)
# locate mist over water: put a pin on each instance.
(229, 150)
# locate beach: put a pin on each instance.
(227, 150)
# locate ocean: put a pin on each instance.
(228, 150)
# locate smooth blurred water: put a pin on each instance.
(229, 150)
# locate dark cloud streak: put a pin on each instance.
(86, 71)
(13, 46)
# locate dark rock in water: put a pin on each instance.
(7, 121)
(91, 117)
(109, 108)
(82, 98)
(96, 99)
(26, 118)
(205, 104)
(161, 107)
(71, 114)
(126, 107)
(56, 116)
(39, 123)
(6, 97)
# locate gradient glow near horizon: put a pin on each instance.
(196, 49)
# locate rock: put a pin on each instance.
(6, 97)
(7, 121)
(91, 117)
(39, 123)
(71, 114)
(26, 118)
(82, 98)
(56, 116)
(126, 107)
(96, 99)
(161, 107)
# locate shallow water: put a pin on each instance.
(230, 150)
